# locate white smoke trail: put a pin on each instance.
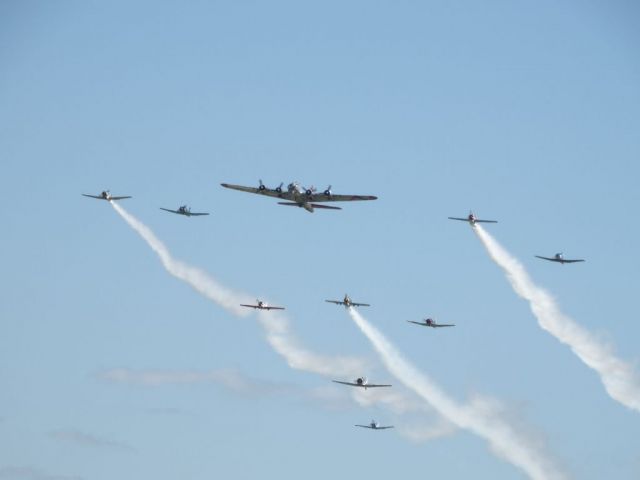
(620, 380)
(480, 418)
(276, 326)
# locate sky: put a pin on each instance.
(113, 367)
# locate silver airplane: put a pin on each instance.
(184, 210)
(261, 306)
(347, 302)
(429, 322)
(297, 196)
(471, 218)
(105, 195)
(375, 426)
(559, 258)
(361, 382)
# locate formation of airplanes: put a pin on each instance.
(298, 196)
(184, 210)
(375, 426)
(260, 305)
(429, 322)
(310, 199)
(559, 258)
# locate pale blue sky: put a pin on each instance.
(526, 113)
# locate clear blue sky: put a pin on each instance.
(527, 113)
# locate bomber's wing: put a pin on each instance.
(266, 191)
(120, 198)
(337, 302)
(422, 324)
(321, 197)
(458, 218)
(548, 258)
(349, 383)
(249, 306)
(273, 308)
(172, 211)
(354, 304)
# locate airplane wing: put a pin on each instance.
(365, 426)
(373, 385)
(321, 197)
(93, 196)
(198, 214)
(273, 308)
(384, 428)
(348, 383)
(486, 221)
(267, 191)
(548, 258)
(354, 304)
(437, 325)
(422, 324)
(249, 306)
(119, 198)
(337, 302)
(573, 261)
(458, 218)
(172, 211)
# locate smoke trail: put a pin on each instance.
(278, 331)
(620, 380)
(480, 418)
(276, 326)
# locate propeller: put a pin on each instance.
(309, 191)
(327, 192)
(261, 186)
(279, 187)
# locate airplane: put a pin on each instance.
(429, 322)
(361, 382)
(374, 426)
(471, 218)
(297, 196)
(347, 302)
(262, 306)
(558, 257)
(183, 210)
(105, 195)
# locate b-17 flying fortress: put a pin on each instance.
(298, 196)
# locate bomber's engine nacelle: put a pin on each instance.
(279, 187)
(261, 186)
(327, 191)
(309, 191)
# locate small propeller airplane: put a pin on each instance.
(375, 426)
(429, 322)
(183, 210)
(261, 306)
(471, 218)
(361, 382)
(347, 302)
(105, 195)
(558, 257)
(298, 196)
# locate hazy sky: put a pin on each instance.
(113, 368)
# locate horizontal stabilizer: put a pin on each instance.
(315, 205)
